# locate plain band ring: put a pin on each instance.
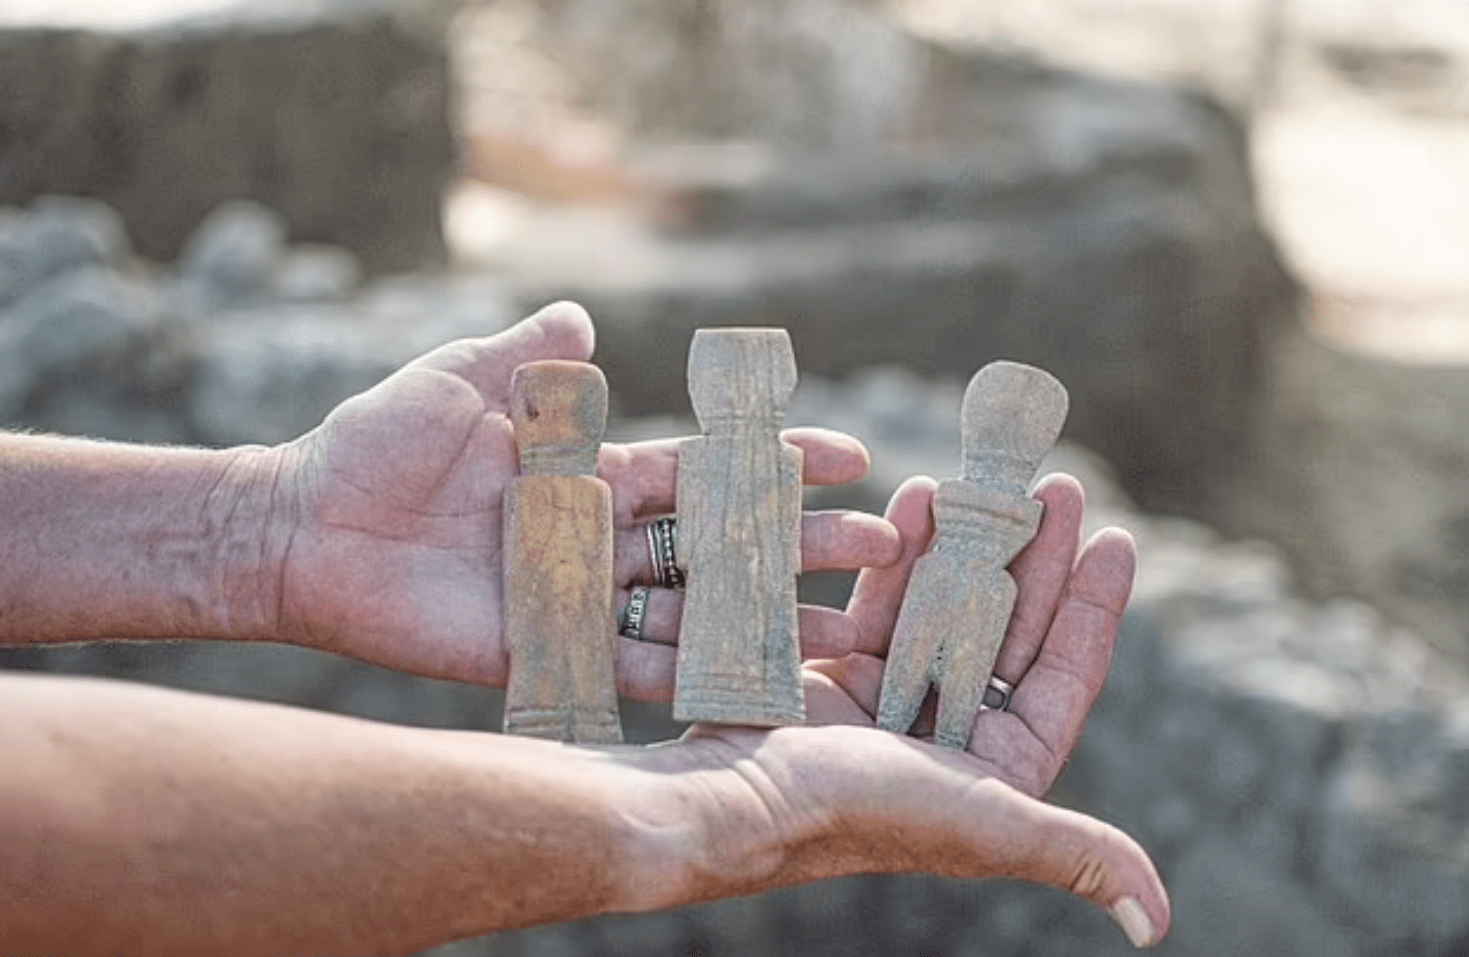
(630, 624)
(997, 692)
(662, 546)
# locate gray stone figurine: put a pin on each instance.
(739, 528)
(960, 596)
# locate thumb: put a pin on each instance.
(1039, 842)
(562, 330)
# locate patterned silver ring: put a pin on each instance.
(630, 623)
(997, 692)
(662, 546)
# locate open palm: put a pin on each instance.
(852, 798)
(393, 548)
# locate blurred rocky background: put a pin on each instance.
(1238, 231)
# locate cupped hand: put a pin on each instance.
(855, 799)
(390, 522)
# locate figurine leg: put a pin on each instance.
(969, 659)
(905, 681)
(959, 699)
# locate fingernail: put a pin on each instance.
(1133, 920)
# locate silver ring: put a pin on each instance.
(662, 545)
(630, 623)
(997, 692)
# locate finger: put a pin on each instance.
(645, 670)
(858, 677)
(824, 632)
(828, 457)
(840, 540)
(1017, 836)
(1040, 572)
(827, 700)
(836, 540)
(562, 330)
(1053, 700)
(878, 594)
(644, 475)
(632, 555)
(947, 814)
(661, 615)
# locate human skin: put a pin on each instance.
(376, 535)
(143, 821)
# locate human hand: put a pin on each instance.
(847, 798)
(391, 522)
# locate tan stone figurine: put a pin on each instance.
(960, 596)
(559, 623)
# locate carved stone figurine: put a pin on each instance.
(739, 522)
(559, 623)
(960, 596)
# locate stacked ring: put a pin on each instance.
(662, 543)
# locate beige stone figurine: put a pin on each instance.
(960, 596)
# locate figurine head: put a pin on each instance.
(741, 375)
(559, 410)
(1011, 417)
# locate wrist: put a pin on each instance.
(206, 538)
(702, 820)
(247, 517)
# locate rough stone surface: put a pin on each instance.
(270, 373)
(68, 324)
(1116, 249)
(1356, 113)
(58, 233)
(339, 120)
(816, 72)
(233, 256)
(250, 340)
(1255, 54)
(1226, 905)
(892, 198)
(1102, 228)
(1359, 468)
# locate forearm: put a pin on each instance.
(142, 821)
(151, 822)
(104, 540)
